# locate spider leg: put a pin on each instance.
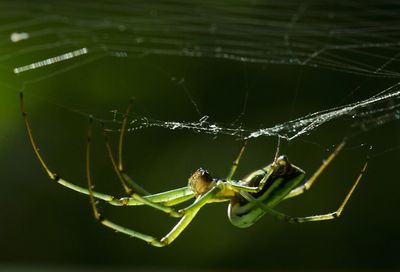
(169, 198)
(53, 176)
(251, 189)
(306, 186)
(132, 195)
(121, 169)
(236, 162)
(176, 198)
(320, 217)
(188, 213)
(237, 185)
(127, 182)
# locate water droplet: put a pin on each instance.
(18, 36)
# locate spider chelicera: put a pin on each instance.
(250, 198)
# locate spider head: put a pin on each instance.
(200, 181)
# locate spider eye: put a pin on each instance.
(204, 173)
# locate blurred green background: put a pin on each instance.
(45, 225)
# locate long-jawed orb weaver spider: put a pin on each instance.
(250, 198)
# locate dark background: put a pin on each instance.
(46, 225)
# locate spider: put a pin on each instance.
(250, 198)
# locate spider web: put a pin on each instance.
(371, 112)
(308, 71)
(360, 39)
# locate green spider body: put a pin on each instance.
(250, 198)
(270, 185)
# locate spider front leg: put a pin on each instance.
(188, 213)
(55, 177)
(135, 200)
(134, 190)
(132, 195)
(137, 195)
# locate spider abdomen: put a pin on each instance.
(243, 213)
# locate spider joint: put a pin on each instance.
(54, 176)
(99, 217)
